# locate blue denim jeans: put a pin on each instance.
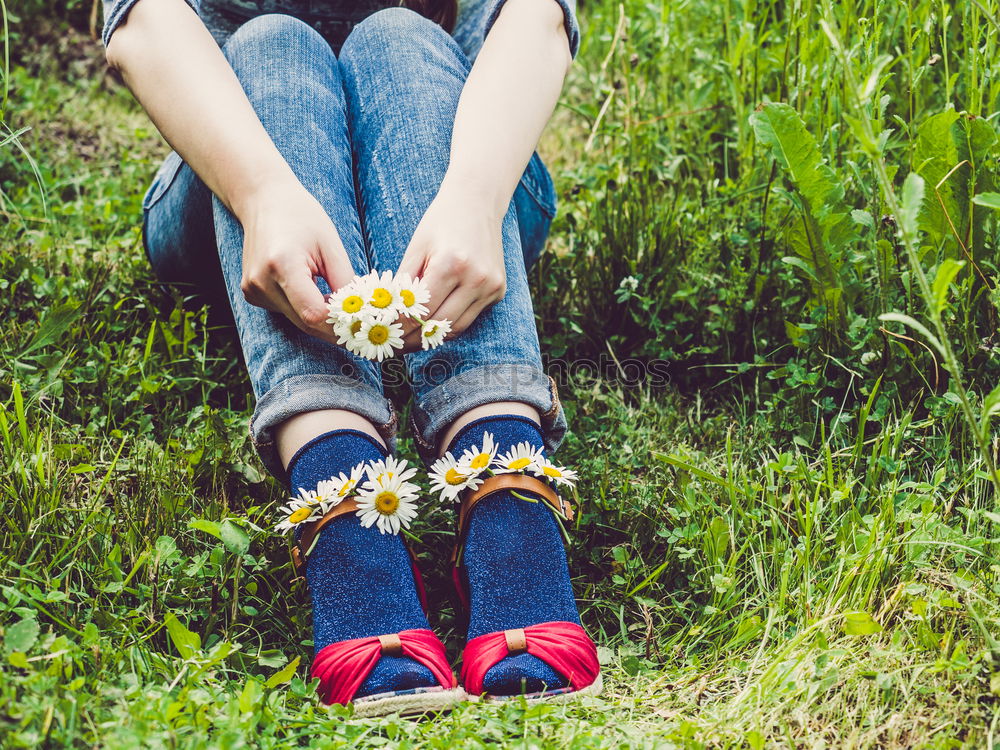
(368, 135)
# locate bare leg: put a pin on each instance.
(487, 410)
(296, 431)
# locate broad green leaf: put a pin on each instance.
(911, 201)
(235, 538)
(54, 325)
(988, 200)
(251, 695)
(271, 658)
(860, 623)
(951, 153)
(165, 546)
(800, 264)
(991, 408)
(826, 226)
(283, 675)
(209, 527)
(185, 641)
(916, 325)
(22, 635)
(946, 273)
(864, 218)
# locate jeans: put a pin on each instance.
(368, 135)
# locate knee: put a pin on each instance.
(269, 36)
(388, 33)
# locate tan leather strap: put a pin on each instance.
(517, 641)
(300, 551)
(502, 483)
(391, 644)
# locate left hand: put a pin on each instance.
(457, 249)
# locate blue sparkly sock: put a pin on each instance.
(515, 563)
(360, 580)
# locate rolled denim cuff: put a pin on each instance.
(115, 12)
(445, 403)
(304, 393)
(568, 9)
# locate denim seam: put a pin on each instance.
(159, 187)
(535, 190)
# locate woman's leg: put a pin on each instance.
(403, 76)
(402, 104)
(291, 77)
(360, 580)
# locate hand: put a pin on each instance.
(288, 239)
(457, 250)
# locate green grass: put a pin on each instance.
(793, 546)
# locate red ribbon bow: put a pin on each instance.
(343, 666)
(564, 646)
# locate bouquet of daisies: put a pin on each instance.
(365, 314)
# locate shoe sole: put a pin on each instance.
(562, 696)
(409, 703)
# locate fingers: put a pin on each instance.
(461, 307)
(413, 260)
(337, 268)
(294, 294)
(442, 279)
(469, 316)
(307, 305)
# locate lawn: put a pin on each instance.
(770, 297)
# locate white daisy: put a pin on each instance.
(297, 512)
(545, 468)
(335, 489)
(382, 295)
(345, 302)
(519, 458)
(476, 460)
(389, 468)
(378, 340)
(307, 497)
(449, 478)
(389, 503)
(347, 329)
(432, 333)
(413, 295)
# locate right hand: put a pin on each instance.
(288, 239)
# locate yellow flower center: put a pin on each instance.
(387, 503)
(352, 304)
(378, 334)
(518, 463)
(355, 327)
(430, 331)
(381, 297)
(408, 297)
(348, 486)
(551, 471)
(300, 515)
(480, 461)
(453, 476)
